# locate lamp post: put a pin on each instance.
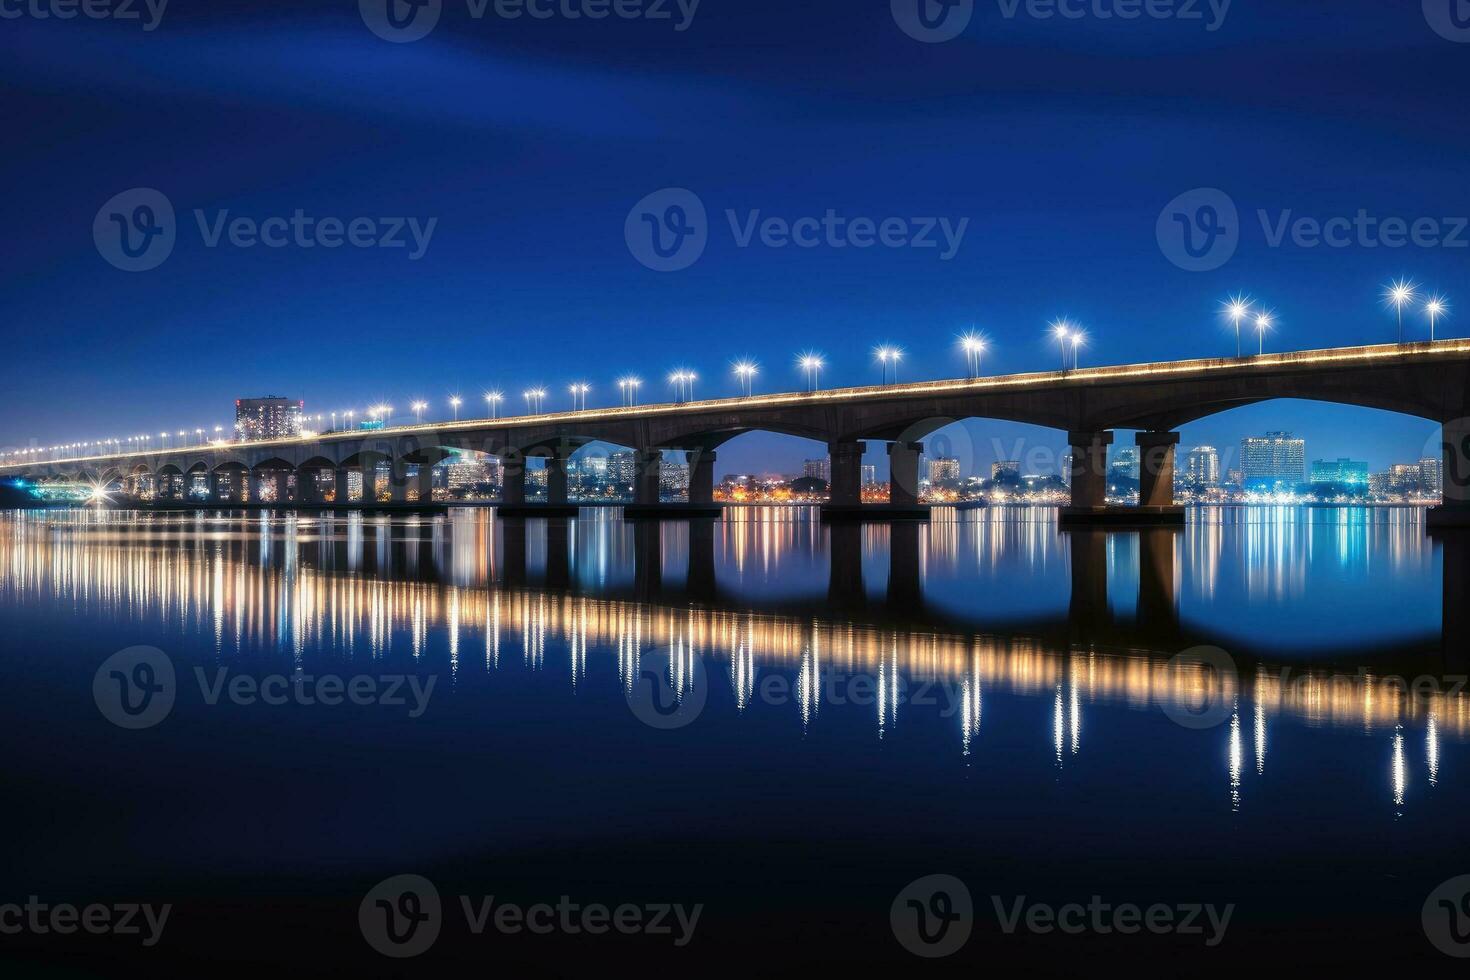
(454, 402)
(888, 355)
(1399, 294)
(1237, 309)
(418, 411)
(1263, 323)
(1435, 308)
(1061, 330)
(812, 365)
(1078, 338)
(494, 398)
(974, 347)
(746, 372)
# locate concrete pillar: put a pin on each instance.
(701, 476)
(369, 493)
(647, 470)
(903, 473)
(341, 493)
(215, 485)
(512, 478)
(847, 473)
(1090, 467)
(423, 484)
(556, 479)
(1456, 476)
(1156, 468)
(398, 484)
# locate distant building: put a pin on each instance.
(673, 478)
(1202, 467)
(944, 469)
(620, 468)
(1379, 484)
(1431, 476)
(1125, 463)
(1344, 472)
(267, 418)
(1006, 469)
(1273, 462)
(1066, 473)
(1404, 478)
(870, 474)
(818, 469)
(467, 476)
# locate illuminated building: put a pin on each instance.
(1125, 463)
(620, 469)
(1202, 466)
(1344, 472)
(673, 478)
(1009, 469)
(870, 474)
(267, 418)
(1273, 462)
(1431, 476)
(818, 469)
(943, 469)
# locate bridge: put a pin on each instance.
(1427, 379)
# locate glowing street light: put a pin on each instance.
(746, 372)
(1264, 322)
(418, 411)
(629, 387)
(1399, 294)
(888, 355)
(811, 364)
(974, 347)
(1238, 308)
(534, 398)
(579, 391)
(1061, 331)
(1436, 308)
(1078, 338)
(494, 398)
(454, 402)
(683, 383)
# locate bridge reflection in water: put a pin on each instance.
(612, 595)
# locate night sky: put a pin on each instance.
(529, 141)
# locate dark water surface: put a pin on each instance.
(782, 722)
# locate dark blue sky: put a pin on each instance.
(530, 140)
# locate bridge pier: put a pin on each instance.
(556, 479)
(903, 473)
(1090, 482)
(423, 483)
(845, 499)
(513, 479)
(646, 504)
(1454, 508)
(647, 471)
(341, 493)
(701, 477)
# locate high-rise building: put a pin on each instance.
(818, 469)
(1273, 462)
(267, 418)
(1006, 469)
(1125, 463)
(1202, 466)
(943, 469)
(870, 474)
(1345, 472)
(621, 467)
(1404, 477)
(1431, 476)
(673, 478)
(1379, 484)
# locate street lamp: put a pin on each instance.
(579, 390)
(746, 372)
(888, 355)
(629, 387)
(1436, 308)
(1061, 330)
(1237, 309)
(974, 347)
(1078, 339)
(454, 402)
(1264, 322)
(418, 411)
(533, 399)
(494, 398)
(1399, 294)
(683, 382)
(812, 365)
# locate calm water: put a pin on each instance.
(782, 722)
